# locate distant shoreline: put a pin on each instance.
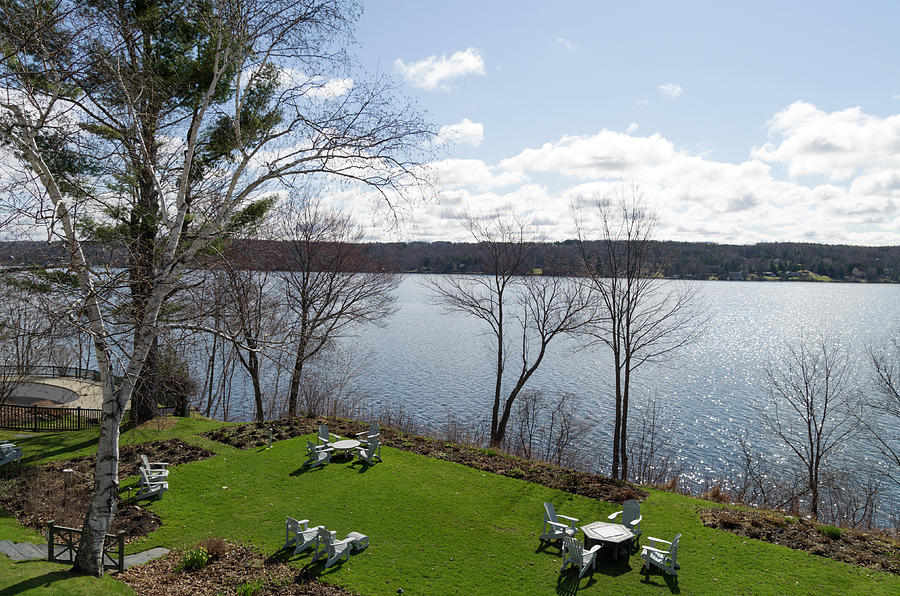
(779, 261)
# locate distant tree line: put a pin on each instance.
(688, 260)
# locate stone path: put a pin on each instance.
(28, 551)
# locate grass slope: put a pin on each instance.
(441, 528)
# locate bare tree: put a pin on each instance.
(647, 318)
(810, 391)
(259, 110)
(329, 285)
(879, 413)
(524, 313)
(652, 452)
(252, 314)
(25, 337)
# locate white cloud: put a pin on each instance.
(464, 132)
(603, 154)
(457, 173)
(632, 128)
(671, 90)
(435, 72)
(696, 196)
(317, 86)
(565, 43)
(838, 145)
(332, 88)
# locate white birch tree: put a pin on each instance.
(265, 112)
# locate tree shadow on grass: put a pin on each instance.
(46, 580)
(33, 459)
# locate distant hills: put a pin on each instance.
(689, 260)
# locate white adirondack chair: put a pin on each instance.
(156, 470)
(667, 560)
(151, 476)
(9, 453)
(317, 456)
(151, 490)
(324, 436)
(371, 453)
(553, 528)
(574, 553)
(298, 534)
(328, 546)
(367, 435)
(631, 516)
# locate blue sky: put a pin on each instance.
(739, 122)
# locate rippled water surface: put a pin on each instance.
(433, 363)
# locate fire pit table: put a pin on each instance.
(607, 534)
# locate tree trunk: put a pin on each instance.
(617, 425)
(294, 392)
(212, 369)
(102, 508)
(496, 438)
(623, 432)
(142, 230)
(254, 376)
(144, 399)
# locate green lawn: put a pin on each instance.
(442, 528)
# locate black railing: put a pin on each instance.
(37, 418)
(50, 371)
(62, 545)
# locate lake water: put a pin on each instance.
(434, 364)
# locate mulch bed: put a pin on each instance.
(37, 494)
(247, 436)
(857, 548)
(240, 565)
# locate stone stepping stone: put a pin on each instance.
(6, 547)
(23, 551)
(144, 557)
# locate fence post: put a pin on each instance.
(50, 554)
(79, 417)
(121, 537)
(34, 418)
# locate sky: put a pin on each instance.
(735, 122)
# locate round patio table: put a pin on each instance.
(345, 445)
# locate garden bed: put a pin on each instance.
(246, 436)
(35, 495)
(238, 569)
(857, 548)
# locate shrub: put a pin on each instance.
(193, 558)
(251, 588)
(515, 473)
(624, 493)
(832, 532)
(728, 521)
(672, 484)
(716, 494)
(216, 547)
